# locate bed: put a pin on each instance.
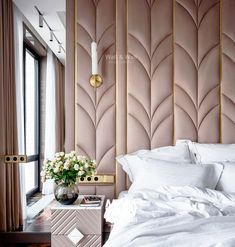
(179, 196)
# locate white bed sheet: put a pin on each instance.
(123, 194)
(173, 216)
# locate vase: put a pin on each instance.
(66, 194)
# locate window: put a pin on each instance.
(31, 102)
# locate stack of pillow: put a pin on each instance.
(188, 163)
(223, 154)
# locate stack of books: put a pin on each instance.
(90, 201)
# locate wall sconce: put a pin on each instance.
(95, 80)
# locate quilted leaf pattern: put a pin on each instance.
(197, 75)
(208, 71)
(95, 109)
(228, 71)
(150, 75)
(175, 76)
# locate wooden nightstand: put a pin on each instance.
(72, 225)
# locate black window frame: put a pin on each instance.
(36, 157)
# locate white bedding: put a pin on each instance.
(122, 194)
(173, 216)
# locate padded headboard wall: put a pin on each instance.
(168, 68)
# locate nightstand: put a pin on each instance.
(72, 225)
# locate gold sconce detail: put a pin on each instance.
(96, 80)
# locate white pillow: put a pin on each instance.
(209, 153)
(123, 161)
(214, 153)
(176, 154)
(180, 153)
(155, 173)
(227, 179)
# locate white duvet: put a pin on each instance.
(173, 216)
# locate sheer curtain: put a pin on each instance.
(54, 119)
(18, 43)
(50, 108)
(50, 118)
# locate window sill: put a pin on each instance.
(34, 209)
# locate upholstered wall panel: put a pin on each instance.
(149, 74)
(185, 74)
(70, 77)
(168, 68)
(228, 71)
(208, 62)
(121, 42)
(95, 109)
(197, 74)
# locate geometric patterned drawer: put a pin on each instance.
(87, 241)
(73, 226)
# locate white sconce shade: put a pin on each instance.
(95, 79)
(94, 61)
(59, 51)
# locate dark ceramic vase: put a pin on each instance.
(66, 194)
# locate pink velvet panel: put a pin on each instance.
(149, 74)
(95, 109)
(172, 77)
(208, 71)
(228, 71)
(197, 74)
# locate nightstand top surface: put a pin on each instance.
(76, 205)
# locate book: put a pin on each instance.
(90, 201)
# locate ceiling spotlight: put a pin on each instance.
(59, 51)
(40, 20)
(51, 35)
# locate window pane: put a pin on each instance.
(31, 173)
(31, 120)
(31, 81)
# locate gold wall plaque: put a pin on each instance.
(14, 158)
(97, 179)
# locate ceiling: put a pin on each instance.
(54, 13)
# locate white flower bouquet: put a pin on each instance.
(66, 168)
